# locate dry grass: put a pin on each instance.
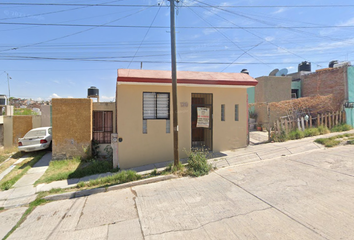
(20, 169)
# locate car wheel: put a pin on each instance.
(50, 146)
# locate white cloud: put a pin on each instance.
(280, 10)
(214, 11)
(39, 99)
(54, 95)
(106, 98)
(56, 81)
(269, 38)
(349, 22)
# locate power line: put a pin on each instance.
(72, 34)
(145, 5)
(166, 27)
(147, 61)
(53, 12)
(137, 50)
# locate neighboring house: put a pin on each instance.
(270, 89)
(338, 80)
(77, 122)
(212, 113)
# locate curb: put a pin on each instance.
(89, 192)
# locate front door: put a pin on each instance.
(202, 121)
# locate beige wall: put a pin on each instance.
(46, 115)
(8, 129)
(270, 89)
(72, 127)
(139, 149)
(36, 121)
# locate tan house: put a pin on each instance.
(212, 113)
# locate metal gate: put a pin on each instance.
(202, 124)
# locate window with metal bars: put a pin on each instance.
(156, 105)
(236, 112)
(223, 112)
(102, 126)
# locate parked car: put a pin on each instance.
(36, 139)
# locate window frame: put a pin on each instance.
(237, 113)
(168, 105)
(223, 114)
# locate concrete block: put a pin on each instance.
(43, 220)
(141, 182)
(88, 192)
(126, 230)
(94, 233)
(9, 218)
(114, 206)
(61, 196)
(95, 176)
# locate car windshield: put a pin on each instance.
(35, 133)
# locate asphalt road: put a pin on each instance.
(306, 196)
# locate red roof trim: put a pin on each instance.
(188, 81)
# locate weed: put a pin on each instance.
(281, 137)
(32, 206)
(296, 134)
(95, 149)
(310, 132)
(9, 180)
(74, 168)
(328, 142)
(351, 142)
(320, 140)
(81, 184)
(341, 128)
(198, 164)
(118, 178)
(323, 130)
(331, 143)
(109, 152)
(154, 172)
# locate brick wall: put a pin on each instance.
(325, 82)
(72, 127)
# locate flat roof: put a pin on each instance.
(185, 77)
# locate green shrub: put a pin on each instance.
(341, 128)
(310, 132)
(280, 137)
(295, 134)
(198, 164)
(331, 143)
(321, 140)
(323, 130)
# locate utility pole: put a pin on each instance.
(174, 83)
(8, 84)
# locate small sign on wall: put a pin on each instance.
(203, 117)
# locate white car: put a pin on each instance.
(36, 139)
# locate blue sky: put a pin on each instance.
(54, 49)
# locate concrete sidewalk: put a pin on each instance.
(252, 153)
(23, 191)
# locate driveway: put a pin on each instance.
(303, 196)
